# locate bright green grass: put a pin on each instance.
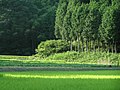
(66, 83)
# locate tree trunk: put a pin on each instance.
(78, 44)
(112, 47)
(86, 45)
(115, 48)
(82, 45)
(94, 47)
(108, 47)
(71, 47)
(89, 45)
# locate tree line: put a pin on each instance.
(89, 25)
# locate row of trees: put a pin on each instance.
(86, 24)
(24, 24)
(89, 25)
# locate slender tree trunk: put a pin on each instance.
(75, 46)
(90, 45)
(86, 45)
(78, 44)
(108, 52)
(82, 45)
(115, 48)
(71, 47)
(94, 46)
(118, 63)
(112, 47)
(108, 47)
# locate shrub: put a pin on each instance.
(51, 47)
(67, 56)
(87, 57)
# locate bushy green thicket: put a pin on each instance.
(50, 47)
(87, 57)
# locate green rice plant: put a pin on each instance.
(61, 80)
(1, 75)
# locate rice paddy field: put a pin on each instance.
(60, 80)
(30, 61)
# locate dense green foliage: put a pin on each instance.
(51, 47)
(92, 25)
(57, 84)
(87, 25)
(88, 57)
(24, 24)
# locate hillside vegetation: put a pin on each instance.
(86, 24)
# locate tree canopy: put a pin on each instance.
(24, 24)
(86, 25)
(93, 25)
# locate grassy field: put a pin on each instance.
(58, 80)
(62, 80)
(68, 59)
(48, 63)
